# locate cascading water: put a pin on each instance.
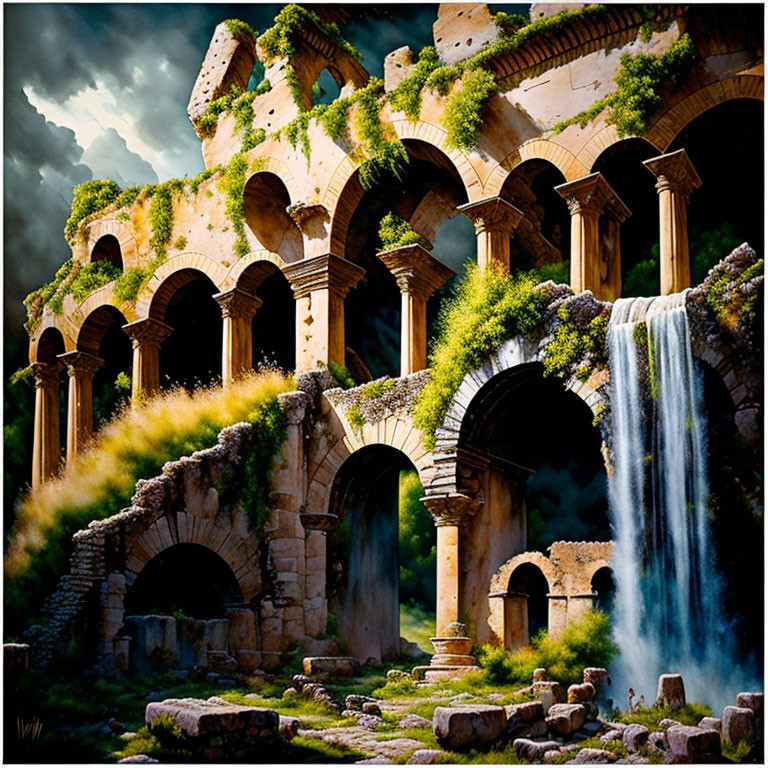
(668, 614)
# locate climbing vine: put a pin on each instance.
(240, 104)
(89, 198)
(407, 95)
(639, 80)
(241, 30)
(233, 185)
(463, 113)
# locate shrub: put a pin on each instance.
(586, 643)
(129, 284)
(91, 277)
(489, 308)
(395, 232)
(463, 114)
(101, 481)
(416, 544)
(89, 198)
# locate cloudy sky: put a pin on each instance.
(100, 91)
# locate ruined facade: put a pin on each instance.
(301, 225)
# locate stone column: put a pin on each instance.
(596, 215)
(515, 620)
(495, 220)
(316, 526)
(450, 512)
(558, 615)
(320, 285)
(146, 337)
(46, 451)
(676, 178)
(237, 310)
(418, 275)
(81, 367)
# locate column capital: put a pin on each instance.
(492, 214)
(302, 213)
(593, 195)
(416, 270)
(450, 508)
(79, 362)
(674, 171)
(47, 374)
(237, 303)
(318, 521)
(323, 272)
(148, 332)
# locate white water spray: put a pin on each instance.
(669, 595)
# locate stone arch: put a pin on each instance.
(104, 297)
(344, 191)
(50, 344)
(51, 327)
(114, 228)
(514, 352)
(534, 149)
(266, 200)
(244, 263)
(163, 279)
(95, 325)
(744, 86)
(231, 540)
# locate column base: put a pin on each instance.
(439, 674)
(451, 660)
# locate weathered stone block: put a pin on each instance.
(525, 712)
(689, 744)
(343, 666)
(737, 724)
(753, 701)
(461, 727)
(539, 674)
(533, 750)
(711, 724)
(288, 727)
(398, 65)
(593, 757)
(579, 694)
(597, 676)
(558, 690)
(671, 691)
(635, 737)
(566, 718)
(425, 757)
(658, 740)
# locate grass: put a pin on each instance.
(650, 717)
(417, 625)
(101, 481)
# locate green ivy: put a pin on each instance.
(395, 232)
(407, 95)
(233, 185)
(130, 282)
(342, 374)
(510, 22)
(127, 197)
(572, 343)
(639, 80)
(91, 277)
(195, 182)
(442, 78)
(463, 113)
(241, 30)
(489, 308)
(355, 418)
(89, 198)
(181, 243)
(161, 215)
(240, 104)
(376, 389)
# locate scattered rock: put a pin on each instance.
(378, 760)
(688, 744)
(753, 701)
(138, 759)
(371, 708)
(658, 741)
(670, 692)
(612, 735)
(551, 755)
(667, 723)
(539, 674)
(566, 718)
(457, 727)
(621, 727)
(635, 737)
(597, 676)
(461, 697)
(592, 756)
(395, 675)
(341, 666)
(592, 728)
(711, 724)
(369, 722)
(409, 650)
(737, 724)
(414, 721)
(533, 750)
(580, 694)
(287, 693)
(525, 712)
(558, 690)
(424, 757)
(355, 702)
(115, 726)
(288, 727)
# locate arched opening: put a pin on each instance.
(273, 328)
(107, 248)
(718, 221)
(528, 448)
(50, 346)
(327, 88)
(542, 236)
(526, 607)
(185, 579)
(191, 355)
(622, 166)
(604, 589)
(372, 491)
(426, 195)
(266, 199)
(102, 335)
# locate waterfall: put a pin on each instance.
(668, 614)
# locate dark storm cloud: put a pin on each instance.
(109, 158)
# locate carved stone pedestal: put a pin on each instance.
(451, 659)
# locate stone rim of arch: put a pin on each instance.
(119, 230)
(512, 353)
(277, 167)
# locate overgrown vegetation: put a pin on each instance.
(586, 643)
(101, 481)
(650, 717)
(463, 113)
(407, 95)
(639, 80)
(89, 198)
(395, 232)
(575, 344)
(233, 185)
(489, 308)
